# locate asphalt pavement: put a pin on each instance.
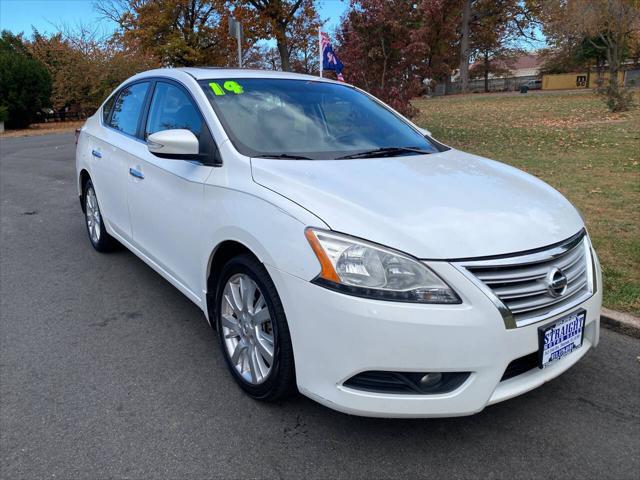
(107, 371)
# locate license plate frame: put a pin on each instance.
(548, 347)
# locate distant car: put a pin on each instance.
(533, 84)
(335, 246)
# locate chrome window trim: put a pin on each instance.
(531, 258)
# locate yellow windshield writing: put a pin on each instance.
(230, 86)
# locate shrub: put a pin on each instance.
(25, 83)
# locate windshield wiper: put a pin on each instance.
(283, 155)
(383, 152)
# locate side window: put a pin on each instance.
(128, 108)
(106, 109)
(171, 108)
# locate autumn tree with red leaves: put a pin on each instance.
(389, 46)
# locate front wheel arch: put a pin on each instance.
(223, 252)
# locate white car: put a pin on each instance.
(335, 246)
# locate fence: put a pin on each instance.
(566, 81)
(508, 84)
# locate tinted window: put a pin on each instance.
(106, 109)
(128, 108)
(309, 118)
(171, 108)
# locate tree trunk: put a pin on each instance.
(486, 71)
(615, 98)
(464, 47)
(614, 88)
(283, 49)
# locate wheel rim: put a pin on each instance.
(94, 220)
(247, 329)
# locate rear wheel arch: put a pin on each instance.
(82, 182)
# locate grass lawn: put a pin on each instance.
(571, 141)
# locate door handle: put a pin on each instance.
(96, 153)
(136, 173)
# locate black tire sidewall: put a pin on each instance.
(273, 385)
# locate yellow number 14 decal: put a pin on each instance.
(229, 86)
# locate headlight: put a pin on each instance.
(367, 270)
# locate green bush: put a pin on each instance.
(25, 83)
(4, 113)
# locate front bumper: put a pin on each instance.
(336, 336)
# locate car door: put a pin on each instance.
(110, 154)
(166, 195)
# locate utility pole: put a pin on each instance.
(235, 30)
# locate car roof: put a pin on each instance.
(206, 73)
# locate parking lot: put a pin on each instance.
(107, 371)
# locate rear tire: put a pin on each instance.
(98, 236)
(253, 330)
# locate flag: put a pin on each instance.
(330, 60)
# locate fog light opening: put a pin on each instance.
(431, 379)
(416, 383)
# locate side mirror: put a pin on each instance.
(179, 144)
(424, 132)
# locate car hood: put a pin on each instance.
(441, 206)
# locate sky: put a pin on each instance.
(45, 15)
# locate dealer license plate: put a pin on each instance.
(560, 339)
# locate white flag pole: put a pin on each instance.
(320, 49)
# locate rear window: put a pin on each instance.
(128, 108)
(107, 108)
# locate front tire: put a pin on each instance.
(253, 330)
(98, 236)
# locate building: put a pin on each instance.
(505, 75)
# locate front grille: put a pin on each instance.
(520, 284)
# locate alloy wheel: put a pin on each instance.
(247, 329)
(94, 221)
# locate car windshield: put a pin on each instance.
(306, 119)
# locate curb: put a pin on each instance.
(624, 323)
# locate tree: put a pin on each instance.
(262, 56)
(289, 22)
(25, 84)
(489, 41)
(573, 55)
(389, 47)
(435, 37)
(303, 39)
(609, 26)
(85, 67)
(180, 33)
(465, 52)
(487, 26)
